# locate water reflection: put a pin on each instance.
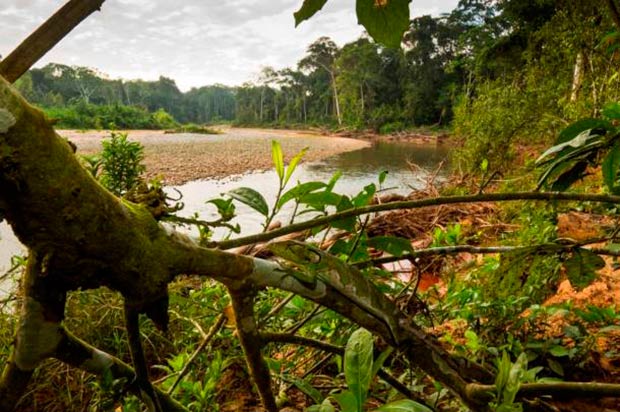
(359, 168)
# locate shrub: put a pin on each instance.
(121, 163)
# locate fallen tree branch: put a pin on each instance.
(544, 248)
(561, 389)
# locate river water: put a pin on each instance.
(359, 168)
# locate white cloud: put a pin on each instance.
(195, 42)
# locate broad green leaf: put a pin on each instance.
(364, 197)
(358, 359)
(580, 126)
(384, 20)
(403, 405)
(610, 166)
(382, 176)
(558, 351)
(348, 223)
(332, 182)
(299, 191)
(563, 161)
(309, 390)
(571, 176)
(307, 10)
(555, 366)
(319, 200)
(293, 164)
(582, 266)
(225, 207)
(393, 245)
(278, 158)
(251, 198)
(347, 402)
(578, 141)
(326, 406)
(378, 363)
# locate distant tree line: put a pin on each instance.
(532, 58)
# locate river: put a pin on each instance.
(359, 168)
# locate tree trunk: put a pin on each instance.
(336, 103)
(577, 77)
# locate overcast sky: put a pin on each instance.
(195, 42)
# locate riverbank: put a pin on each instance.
(180, 158)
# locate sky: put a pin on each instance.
(194, 42)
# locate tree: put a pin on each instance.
(321, 56)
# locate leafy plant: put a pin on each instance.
(121, 163)
(587, 142)
(359, 371)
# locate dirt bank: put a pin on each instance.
(180, 158)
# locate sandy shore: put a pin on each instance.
(180, 158)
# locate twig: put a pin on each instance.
(247, 330)
(563, 389)
(214, 329)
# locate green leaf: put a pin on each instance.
(571, 176)
(347, 223)
(293, 164)
(332, 182)
(578, 141)
(558, 351)
(358, 364)
(403, 405)
(378, 363)
(307, 10)
(251, 198)
(484, 165)
(382, 176)
(225, 208)
(299, 191)
(308, 389)
(555, 366)
(580, 126)
(364, 197)
(582, 266)
(347, 402)
(278, 159)
(385, 20)
(393, 245)
(610, 166)
(326, 406)
(320, 200)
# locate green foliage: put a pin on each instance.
(91, 116)
(121, 163)
(360, 370)
(384, 20)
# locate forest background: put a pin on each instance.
(495, 71)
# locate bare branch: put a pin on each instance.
(243, 305)
(417, 204)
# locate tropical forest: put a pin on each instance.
(420, 218)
